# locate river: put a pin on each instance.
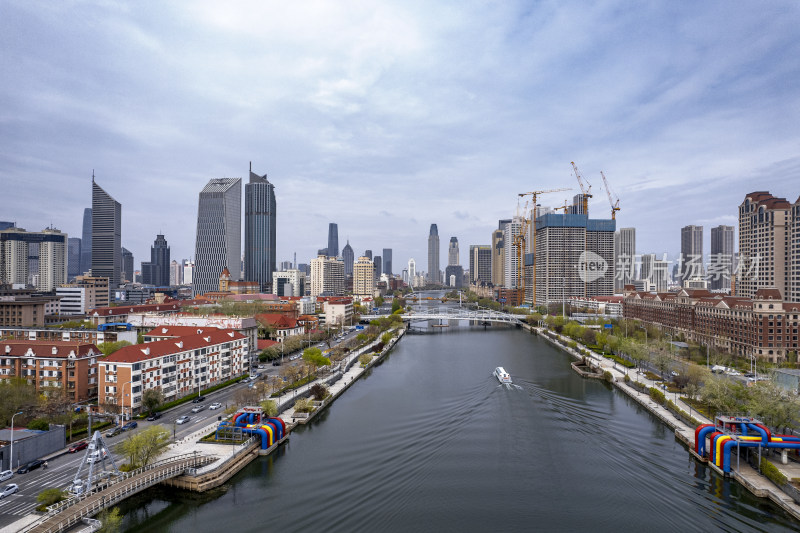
(429, 441)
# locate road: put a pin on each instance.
(62, 469)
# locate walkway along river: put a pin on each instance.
(430, 441)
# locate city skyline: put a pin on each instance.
(681, 131)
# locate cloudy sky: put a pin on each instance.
(387, 116)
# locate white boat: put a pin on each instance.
(501, 375)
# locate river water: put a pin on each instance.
(429, 441)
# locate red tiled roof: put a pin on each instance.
(263, 344)
(18, 348)
(178, 331)
(128, 309)
(277, 320)
(768, 293)
(149, 350)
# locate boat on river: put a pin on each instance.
(501, 375)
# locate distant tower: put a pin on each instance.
(259, 230)
(387, 261)
(127, 265)
(412, 270)
(219, 233)
(368, 253)
(691, 252)
(348, 257)
(452, 252)
(106, 236)
(86, 242)
(433, 255)
(156, 272)
(721, 259)
(624, 258)
(333, 240)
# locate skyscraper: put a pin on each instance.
(52, 260)
(364, 278)
(691, 253)
(480, 263)
(259, 230)
(86, 242)
(106, 236)
(333, 240)
(498, 258)
(74, 257)
(219, 233)
(175, 273)
(721, 260)
(512, 258)
(433, 255)
(624, 258)
(378, 262)
(327, 276)
(452, 252)
(412, 270)
(368, 253)
(348, 256)
(387, 261)
(37, 256)
(127, 274)
(156, 272)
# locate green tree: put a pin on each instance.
(111, 520)
(110, 347)
(386, 337)
(365, 358)
(15, 396)
(152, 399)
(141, 448)
(396, 305)
(379, 301)
(270, 408)
(51, 496)
(313, 356)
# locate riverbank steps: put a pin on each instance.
(747, 476)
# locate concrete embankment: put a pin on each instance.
(747, 476)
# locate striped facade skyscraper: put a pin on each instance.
(106, 236)
(259, 230)
(219, 233)
(433, 256)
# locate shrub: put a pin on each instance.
(608, 376)
(40, 424)
(572, 344)
(127, 467)
(627, 378)
(50, 497)
(657, 395)
(303, 405)
(772, 473)
(365, 359)
(319, 392)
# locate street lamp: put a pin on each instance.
(11, 458)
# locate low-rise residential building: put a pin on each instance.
(337, 312)
(66, 365)
(25, 310)
(602, 305)
(91, 336)
(247, 326)
(177, 366)
(105, 315)
(283, 325)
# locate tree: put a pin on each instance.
(319, 392)
(152, 399)
(111, 520)
(51, 496)
(365, 358)
(110, 347)
(141, 448)
(270, 408)
(396, 306)
(662, 362)
(15, 396)
(589, 336)
(313, 356)
(386, 337)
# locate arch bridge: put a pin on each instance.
(461, 313)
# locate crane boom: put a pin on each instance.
(611, 196)
(586, 191)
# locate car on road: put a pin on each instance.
(199, 399)
(33, 465)
(6, 474)
(130, 425)
(182, 419)
(215, 405)
(78, 446)
(153, 416)
(9, 489)
(198, 408)
(96, 456)
(276, 362)
(114, 432)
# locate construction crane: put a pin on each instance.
(520, 239)
(611, 197)
(586, 191)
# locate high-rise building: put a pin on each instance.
(327, 276)
(412, 269)
(480, 263)
(127, 274)
(291, 282)
(188, 272)
(74, 257)
(5, 224)
(769, 253)
(452, 252)
(368, 253)
(498, 258)
(378, 263)
(175, 273)
(52, 260)
(387, 261)
(454, 276)
(691, 253)
(19, 249)
(259, 230)
(348, 257)
(624, 258)
(720, 262)
(364, 278)
(433, 256)
(659, 278)
(86, 242)
(511, 259)
(106, 236)
(156, 272)
(333, 240)
(574, 257)
(219, 233)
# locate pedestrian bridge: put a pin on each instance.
(461, 313)
(70, 512)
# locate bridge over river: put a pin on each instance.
(458, 313)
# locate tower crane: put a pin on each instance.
(520, 239)
(586, 191)
(611, 197)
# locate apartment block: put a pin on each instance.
(363, 278)
(327, 276)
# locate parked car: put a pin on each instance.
(114, 432)
(8, 490)
(78, 446)
(215, 405)
(199, 399)
(6, 474)
(133, 424)
(182, 419)
(276, 362)
(197, 408)
(153, 416)
(33, 465)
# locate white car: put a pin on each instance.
(198, 408)
(215, 405)
(8, 490)
(96, 456)
(6, 474)
(183, 419)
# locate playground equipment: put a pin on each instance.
(729, 432)
(252, 421)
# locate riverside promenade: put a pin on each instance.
(749, 477)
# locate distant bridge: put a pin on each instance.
(462, 313)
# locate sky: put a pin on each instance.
(385, 117)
